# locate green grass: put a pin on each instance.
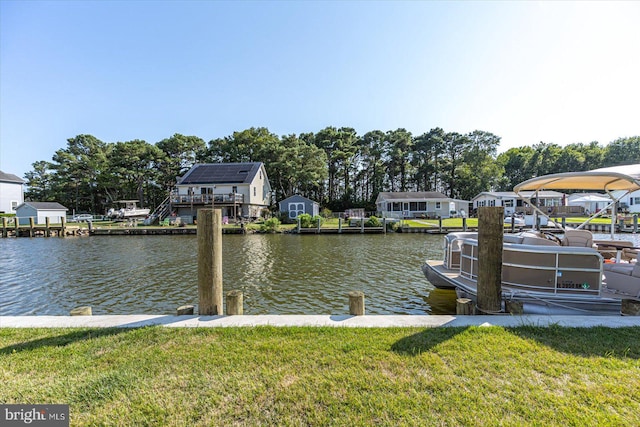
(327, 376)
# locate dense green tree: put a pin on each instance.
(40, 182)
(181, 153)
(623, 151)
(399, 149)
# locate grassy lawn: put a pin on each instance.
(327, 376)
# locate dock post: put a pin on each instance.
(81, 311)
(384, 225)
(464, 307)
(339, 225)
(299, 222)
(235, 303)
(16, 226)
(356, 303)
(319, 225)
(490, 237)
(513, 307)
(210, 262)
(184, 310)
(47, 229)
(4, 227)
(464, 224)
(439, 224)
(362, 224)
(32, 224)
(635, 223)
(63, 226)
(630, 307)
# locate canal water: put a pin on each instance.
(278, 274)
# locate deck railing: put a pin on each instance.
(207, 198)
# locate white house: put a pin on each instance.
(40, 211)
(241, 190)
(546, 200)
(418, 204)
(630, 202)
(11, 192)
(296, 205)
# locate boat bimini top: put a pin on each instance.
(622, 179)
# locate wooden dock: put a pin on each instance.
(35, 230)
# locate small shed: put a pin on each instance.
(41, 211)
(297, 205)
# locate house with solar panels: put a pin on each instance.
(241, 190)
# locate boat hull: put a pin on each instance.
(533, 302)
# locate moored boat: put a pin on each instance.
(549, 273)
(130, 210)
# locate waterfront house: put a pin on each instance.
(40, 211)
(297, 205)
(11, 192)
(241, 190)
(419, 204)
(629, 203)
(546, 200)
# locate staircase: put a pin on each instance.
(161, 211)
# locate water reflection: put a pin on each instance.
(278, 274)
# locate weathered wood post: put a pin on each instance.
(4, 227)
(439, 224)
(464, 307)
(63, 226)
(635, 223)
(362, 224)
(32, 224)
(490, 237)
(464, 224)
(339, 225)
(16, 226)
(81, 311)
(47, 230)
(299, 225)
(356, 303)
(235, 303)
(210, 261)
(319, 225)
(384, 225)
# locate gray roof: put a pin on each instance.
(513, 195)
(221, 173)
(9, 177)
(44, 205)
(297, 197)
(399, 195)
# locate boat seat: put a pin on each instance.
(579, 238)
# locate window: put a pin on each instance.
(14, 205)
(413, 206)
(437, 205)
(254, 192)
(508, 203)
(422, 206)
(295, 209)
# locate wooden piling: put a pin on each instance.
(630, 307)
(63, 227)
(81, 311)
(210, 262)
(47, 229)
(32, 226)
(464, 307)
(235, 304)
(362, 224)
(356, 303)
(464, 224)
(339, 225)
(513, 307)
(490, 238)
(184, 310)
(319, 225)
(5, 233)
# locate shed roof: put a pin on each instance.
(9, 177)
(298, 198)
(221, 173)
(44, 206)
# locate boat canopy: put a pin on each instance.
(625, 178)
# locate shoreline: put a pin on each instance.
(366, 321)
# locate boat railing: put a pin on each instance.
(548, 269)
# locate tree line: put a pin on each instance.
(335, 166)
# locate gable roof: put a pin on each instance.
(514, 195)
(9, 177)
(297, 197)
(44, 206)
(221, 173)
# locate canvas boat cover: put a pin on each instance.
(609, 179)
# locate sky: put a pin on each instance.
(529, 72)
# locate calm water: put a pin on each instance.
(278, 274)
